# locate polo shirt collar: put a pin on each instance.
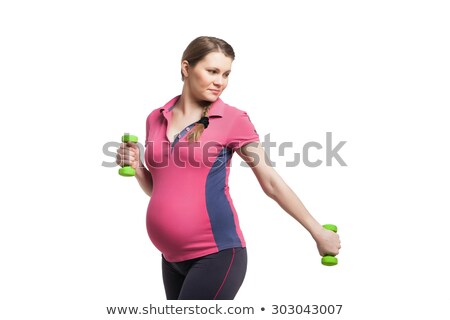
(216, 109)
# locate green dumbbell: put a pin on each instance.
(128, 171)
(330, 260)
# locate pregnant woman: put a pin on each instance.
(189, 144)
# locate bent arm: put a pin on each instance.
(128, 154)
(144, 178)
(275, 187)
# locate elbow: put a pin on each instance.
(270, 182)
(275, 188)
(269, 189)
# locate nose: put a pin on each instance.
(218, 81)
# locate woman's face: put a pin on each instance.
(209, 77)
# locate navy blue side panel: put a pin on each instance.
(219, 209)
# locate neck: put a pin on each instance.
(187, 104)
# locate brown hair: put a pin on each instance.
(195, 52)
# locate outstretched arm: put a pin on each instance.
(274, 186)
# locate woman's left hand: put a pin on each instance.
(328, 242)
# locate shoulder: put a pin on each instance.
(154, 118)
(238, 119)
(232, 112)
(237, 116)
(156, 113)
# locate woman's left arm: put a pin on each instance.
(274, 186)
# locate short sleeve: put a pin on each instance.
(150, 120)
(242, 132)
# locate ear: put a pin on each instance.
(185, 68)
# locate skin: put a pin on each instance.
(203, 84)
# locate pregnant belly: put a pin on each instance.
(178, 228)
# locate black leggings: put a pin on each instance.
(217, 276)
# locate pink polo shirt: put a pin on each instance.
(190, 213)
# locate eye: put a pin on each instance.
(212, 71)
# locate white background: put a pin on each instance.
(75, 75)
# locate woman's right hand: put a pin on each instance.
(128, 155)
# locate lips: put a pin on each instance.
(214, 91)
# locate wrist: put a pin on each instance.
(316, 230)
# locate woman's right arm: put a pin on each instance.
(144, 177)
(128, 155)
